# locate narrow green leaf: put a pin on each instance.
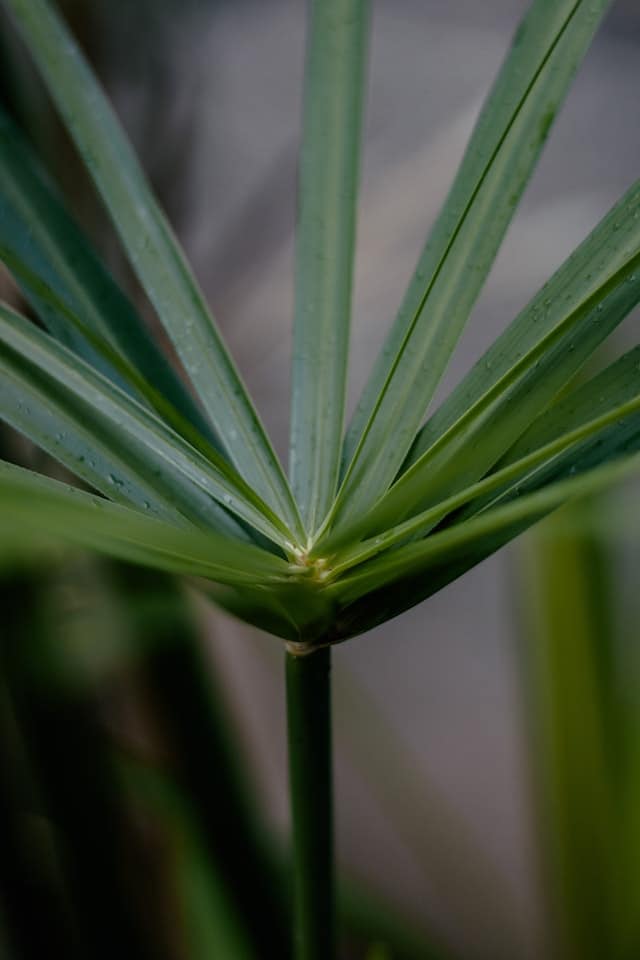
(585, 312)
(35, 510)
(613, 241)
(617, 384)
(610, 397)
(329, 166)
(106, 358)
(111, 441)
(589, 441)
(450, 551)
(620, 440)
(46, 251)
(502, 153)
(153, 250)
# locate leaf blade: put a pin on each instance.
(46, 391)
(153, 250)
(329, 168)
(615, 385)
(46, 251)
(616, 233)
(501, 155)
(106, 359)
(35, 508)
(561, 445)
(611, 393)
(453, 551)
(553, 337)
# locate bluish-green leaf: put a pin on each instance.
(540, 352)
(612, 243)
(461, 248)
(51, 259)
(36, 511)
(579, 437)
(614, 386)
(608, 397)
(105, 358)
(429, 564)
(109, 440)
(153, 250)
(329, 165)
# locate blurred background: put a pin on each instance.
(487, 753)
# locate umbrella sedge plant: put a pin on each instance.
(372, 519)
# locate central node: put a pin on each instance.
(307, 566)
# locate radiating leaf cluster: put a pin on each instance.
(372, 522)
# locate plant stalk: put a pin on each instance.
(311, 792)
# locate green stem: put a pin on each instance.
(310, 779)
